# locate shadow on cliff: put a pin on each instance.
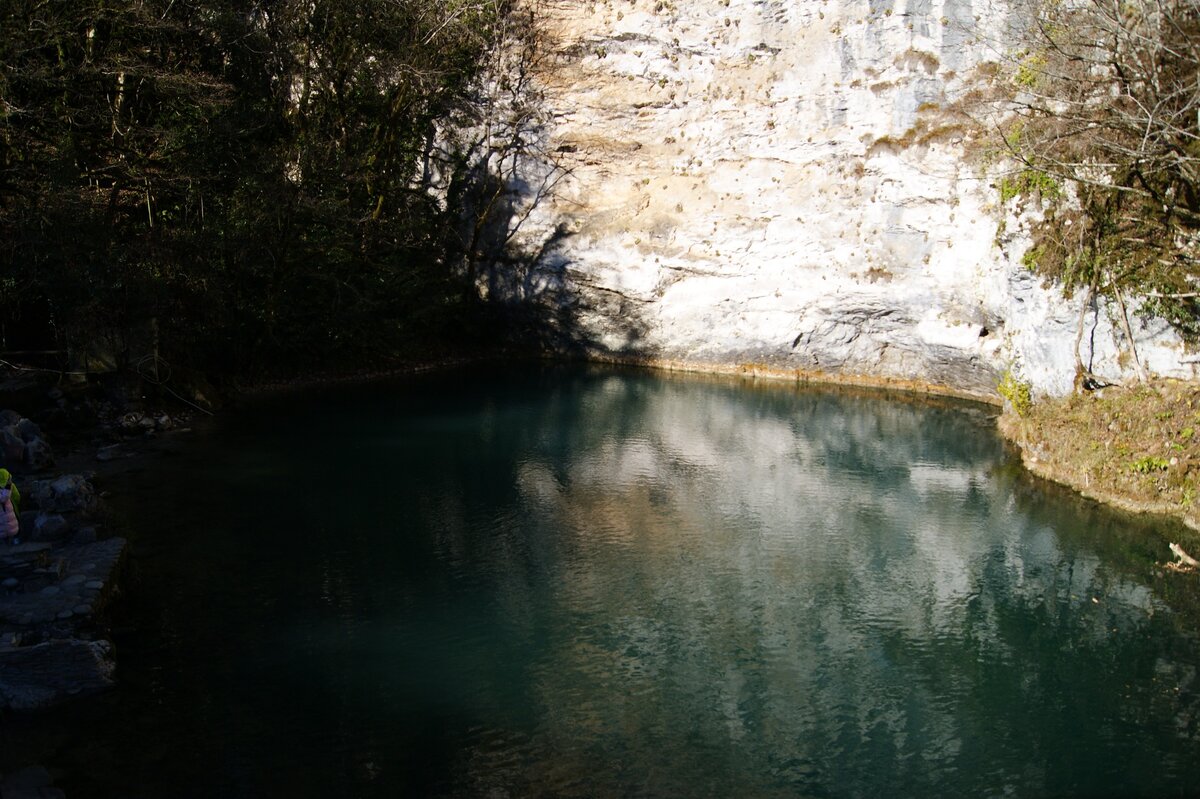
(504, 169)
(544, 307)
(523, 283)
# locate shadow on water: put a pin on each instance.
(587, 582)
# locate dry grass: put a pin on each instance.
(1136, 447)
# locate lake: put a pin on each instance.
(560, 581)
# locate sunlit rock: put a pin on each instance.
(779, 182)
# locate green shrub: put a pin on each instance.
(1030, 181)
(1030, 70)
(1016, 392)
(1148, 464)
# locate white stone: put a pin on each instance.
(787, 189)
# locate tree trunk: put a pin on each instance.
(1143, 375)
(1080, 372)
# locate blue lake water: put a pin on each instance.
(588, 582)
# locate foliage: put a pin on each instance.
(1029, 259)
(258, 178)
(1016, 392)
(1150, 463)
(1029, 70)
(1099, 112)
(1029, 181)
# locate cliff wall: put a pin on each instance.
(778, 182)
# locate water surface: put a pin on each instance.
(554, 582)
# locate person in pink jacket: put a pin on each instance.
(10, 503)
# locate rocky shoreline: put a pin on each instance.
(55, 583)
(1037, 461)
(60, 582)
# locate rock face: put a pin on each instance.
(777, 182)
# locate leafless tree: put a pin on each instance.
(1099, 107)
(498, 159)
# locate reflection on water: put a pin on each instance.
(604, 584)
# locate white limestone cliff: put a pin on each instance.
(776, 182)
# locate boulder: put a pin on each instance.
(133, 421)
(65, 494)
(27, 430)
(47, 527)
(22, 444)
(38, 455)
(12, 449)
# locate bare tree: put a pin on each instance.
(498, 160)
(1100, 110)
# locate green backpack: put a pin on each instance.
(6, 481)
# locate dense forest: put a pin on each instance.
(240, 187)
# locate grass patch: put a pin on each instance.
(1133, 446)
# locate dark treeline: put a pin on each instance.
(245, 186)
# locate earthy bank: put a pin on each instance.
(1134, 446)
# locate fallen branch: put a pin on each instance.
(1186, 561)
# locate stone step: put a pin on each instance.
(29, 548)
